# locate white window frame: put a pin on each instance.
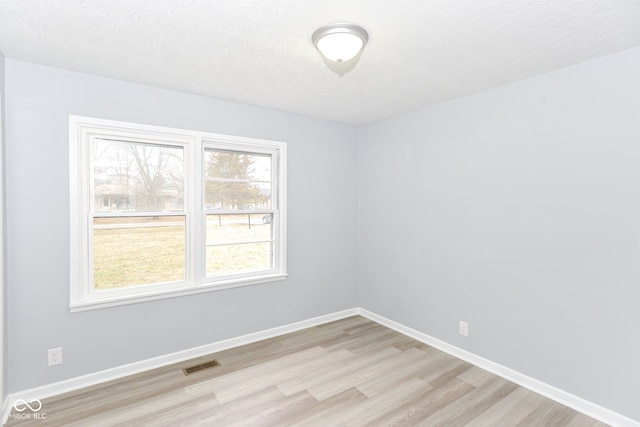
(82, 131)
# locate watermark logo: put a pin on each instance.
(21, 405)
(28, 410)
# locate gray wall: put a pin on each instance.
(322, 233)
(3, 301)
(517, 210)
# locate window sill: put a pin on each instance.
(97, 304)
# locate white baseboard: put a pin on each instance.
(588, 408)
(133, 368)
(579, 404)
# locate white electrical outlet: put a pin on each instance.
(464, 328)
(55, 356)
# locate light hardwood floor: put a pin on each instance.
(351, 372)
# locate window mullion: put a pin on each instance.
(197, 232)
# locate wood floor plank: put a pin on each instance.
(581, 420)
(236, 410)
(424, 403)
(322, 414)
(365, 413)
(551, 415)
(399, 369)
(327, 377)
(372, 335)
(328, 370)
(472, 404)
(475, 376)
(346, 377)
(508, 411)
(155, 413)
(294, 407)
(415, 369)
(257, 377)
(441, 373)
(349, 372)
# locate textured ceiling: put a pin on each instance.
(259, 51)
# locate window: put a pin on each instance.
(159, 212)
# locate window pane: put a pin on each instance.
(238, 258)
(237, 165)
(237, 195)
(238, 243)
(237, 180)
(131, 251)
(131, 176)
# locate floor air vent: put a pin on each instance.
(201, 367)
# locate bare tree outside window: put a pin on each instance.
(138, 177)
(131, 250)
(237, 181)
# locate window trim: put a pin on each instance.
(83, 129)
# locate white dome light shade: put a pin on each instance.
(340, 47)
(340, 42)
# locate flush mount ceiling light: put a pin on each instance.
(340, 42)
